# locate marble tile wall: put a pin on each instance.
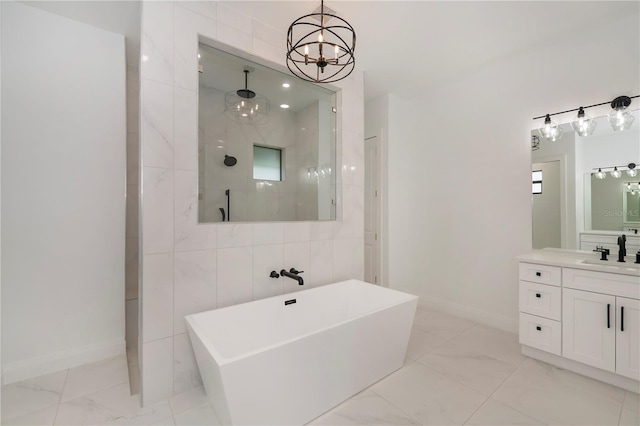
(189, 267)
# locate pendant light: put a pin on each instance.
(319, 52)
(550, 130)
(631, 170)
(583, 124)
(245, 106)
(619, 118)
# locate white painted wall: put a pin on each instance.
(460, 257)
(63, 188)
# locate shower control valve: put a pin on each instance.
(274, 274)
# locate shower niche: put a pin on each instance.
(266, 143)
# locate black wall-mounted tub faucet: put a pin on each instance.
(293, 274)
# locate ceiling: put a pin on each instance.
(408, 47)
(404, 47)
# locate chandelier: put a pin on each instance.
(319, 52)
(245, 106)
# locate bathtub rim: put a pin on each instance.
(222, 360)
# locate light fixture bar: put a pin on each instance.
(584, 107)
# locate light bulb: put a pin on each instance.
(336, 50)
(620, 119)
(600, 174)
(629, 186)
(616, 173)
(583, 124)
(320, 38)
(550, 130)
(306, 50)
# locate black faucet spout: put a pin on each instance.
(293, 275)
(622, 252)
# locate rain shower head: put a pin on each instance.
(230, 161)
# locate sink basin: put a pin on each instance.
(613, 262)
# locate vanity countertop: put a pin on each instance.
(576, 259)
(611, 233)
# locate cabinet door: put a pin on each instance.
(628, 337)
(588, 328)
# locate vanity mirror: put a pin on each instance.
(572, 199)
(266, 143)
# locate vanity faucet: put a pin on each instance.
(622, 249)
(603, 251)
(293, 274)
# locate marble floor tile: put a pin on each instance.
(111, 406)
(480, 358)
(165, 422)
(631, 401)
(369, 409)
(440, 324)
(32, 395)
(187, 400)
(629, 418)
(83, 411)
(201, 415)
(96, 376)
(39, 418)
(421, 343)
(429, 397)
(493, 413)
(555, 396)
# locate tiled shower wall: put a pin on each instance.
(189, 267)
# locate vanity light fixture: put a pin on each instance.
(615, 172)
(583, 124)
(245, 106)
(550, 130)
(318, 52)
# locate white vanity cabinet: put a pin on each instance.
(583, 320)
(588, 328)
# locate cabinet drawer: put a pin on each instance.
(541, 333)
(541, 300)
(602, 282)
(542, 274)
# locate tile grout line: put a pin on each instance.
(66, 377)
(507, 405)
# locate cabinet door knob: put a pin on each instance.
(538, 295)
(621, 318)
(538, 274)
(538, 328)
(608, 315)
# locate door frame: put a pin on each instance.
(564, 228)
(380, 204)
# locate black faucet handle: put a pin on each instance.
(295, 271)
(274, 274)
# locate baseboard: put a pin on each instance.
(580, 368)
(37, 366)
(474, 314)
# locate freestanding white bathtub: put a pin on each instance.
(287, 359)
